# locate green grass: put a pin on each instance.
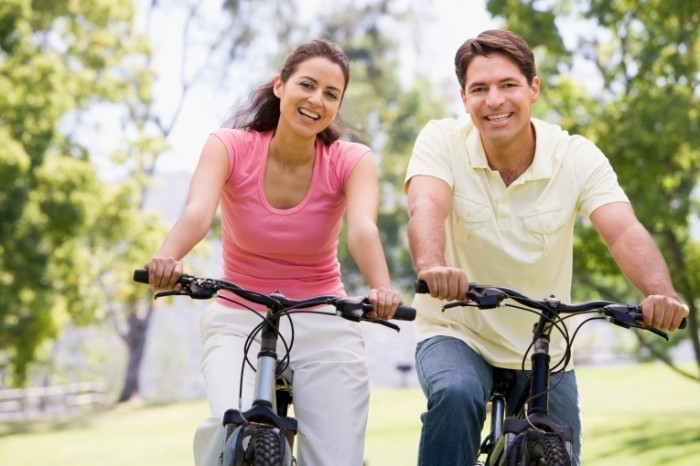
(642, 415)
(633, 416)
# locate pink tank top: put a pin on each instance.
(294, 250)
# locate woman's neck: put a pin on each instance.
(292, 150)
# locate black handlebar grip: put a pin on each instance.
(141, 276)
(684, 322)
(421, 287)
(404, 313)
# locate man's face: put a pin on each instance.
(498, 97)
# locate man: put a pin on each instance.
(493, 199)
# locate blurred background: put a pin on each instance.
(105, 105)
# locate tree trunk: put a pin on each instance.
(135, 339)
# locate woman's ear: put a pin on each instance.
(277, 86)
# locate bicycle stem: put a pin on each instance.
(539, 396)
(267, 362)
(538, 401)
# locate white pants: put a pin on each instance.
(330, 379)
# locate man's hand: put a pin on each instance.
(663, 312)
(446, 283)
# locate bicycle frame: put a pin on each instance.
(264, 434)
(264, 413)
(530, 429)
(532, 411)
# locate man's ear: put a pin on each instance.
(535, 88)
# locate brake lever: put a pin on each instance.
(624, 317)
(377, 320)
(486, 297)
(356, 309)
(481, 297)
(162, 294)
(452, 304)
(197, 292)
(190, 289)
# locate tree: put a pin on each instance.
(55, 58)
(643, 115)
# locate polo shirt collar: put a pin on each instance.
(541, 167)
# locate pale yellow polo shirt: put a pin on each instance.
(520, 236)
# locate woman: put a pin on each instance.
(284, 180)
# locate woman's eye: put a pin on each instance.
(332, 95)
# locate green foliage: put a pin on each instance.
(644, 116)
(55, 58)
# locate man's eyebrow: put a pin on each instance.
(500, 81)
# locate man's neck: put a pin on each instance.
(512, 158)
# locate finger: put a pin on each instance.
(679, 316)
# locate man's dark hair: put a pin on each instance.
(495, 41)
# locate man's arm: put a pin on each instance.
(429, 204)
(642, 263)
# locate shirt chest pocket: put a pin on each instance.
(544, 231)
(471, 220)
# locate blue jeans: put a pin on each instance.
(457, 383)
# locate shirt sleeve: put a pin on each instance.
(601, 187)
(431, 153)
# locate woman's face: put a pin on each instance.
(310, 98)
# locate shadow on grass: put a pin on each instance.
(669, 440)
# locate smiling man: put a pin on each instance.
(493, 198)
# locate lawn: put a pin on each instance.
(633, 416)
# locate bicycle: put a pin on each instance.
(264, 434)
(530, 436)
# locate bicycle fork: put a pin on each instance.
(533, 414)
(493, 445)
(263, 413)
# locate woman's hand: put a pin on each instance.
(163, 273)
(385, 302)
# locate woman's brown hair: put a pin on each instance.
(262, 112)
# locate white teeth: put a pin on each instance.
(304, 112)
(500, 116)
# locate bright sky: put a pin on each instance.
(456, 21)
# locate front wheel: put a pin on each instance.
(257, 446)
(549, 450)
(536, 448)
(267, 449)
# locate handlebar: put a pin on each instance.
(351, 308)
(490, 297)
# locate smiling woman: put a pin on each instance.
(284, 180)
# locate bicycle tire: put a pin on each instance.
(257, 446)
(540, 449)
(266, 448)
(548, 450)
